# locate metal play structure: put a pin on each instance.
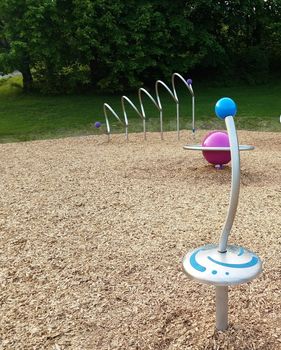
(224, 265)
(157, 103)
(216, 152)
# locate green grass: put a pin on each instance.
(29, 117)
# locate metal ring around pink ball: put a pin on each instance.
(202, 148)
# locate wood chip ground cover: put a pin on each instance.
(92, 237)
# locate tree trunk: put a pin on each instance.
(27, 79)
(96, 71)
(92, 71)
(27, 76)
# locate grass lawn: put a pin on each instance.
(29, 117)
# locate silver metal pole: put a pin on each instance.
(178, 120)
(235, 182)
(160, 82)
(126, 133)
(140, 92)
(144, 129)
(105, 108)
(161, 124)
(222, 291)
(193, 115)
(221, 308)
(189, 87)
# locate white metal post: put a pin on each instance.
(178, 120)
(221, 308)
(235, 182)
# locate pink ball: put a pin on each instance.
(216, 139)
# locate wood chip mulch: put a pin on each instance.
(92, 237)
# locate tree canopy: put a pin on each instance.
(69, 45)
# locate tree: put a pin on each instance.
(68, 45)
(14, 49)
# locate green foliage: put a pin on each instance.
(63, 46)
(68, 79)
(253, 65)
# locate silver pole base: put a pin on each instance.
(221, 308)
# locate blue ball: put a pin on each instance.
(225, 107)
(97, 125)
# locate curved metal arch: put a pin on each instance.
(160, 82)
(156, 102)
(150, 97)
(189, 86)
(123, 99)
(106, 107)
(140, 91)
(177, 75)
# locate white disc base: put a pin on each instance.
(207, 265)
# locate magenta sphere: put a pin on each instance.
(216, 139)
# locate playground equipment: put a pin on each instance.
(212, 153)
(157, 103)
(224, 265)
(215, 145)
(216, 139)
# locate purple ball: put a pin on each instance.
(216, 139)
(189, 81)
(97, 125)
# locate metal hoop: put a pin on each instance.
(203, 148)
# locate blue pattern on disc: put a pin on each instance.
(194, 263)
(250, 263)
(241, 251)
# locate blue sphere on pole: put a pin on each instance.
(189, 81)
(225, 107)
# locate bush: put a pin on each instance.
(67, 80)
(252, 65)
